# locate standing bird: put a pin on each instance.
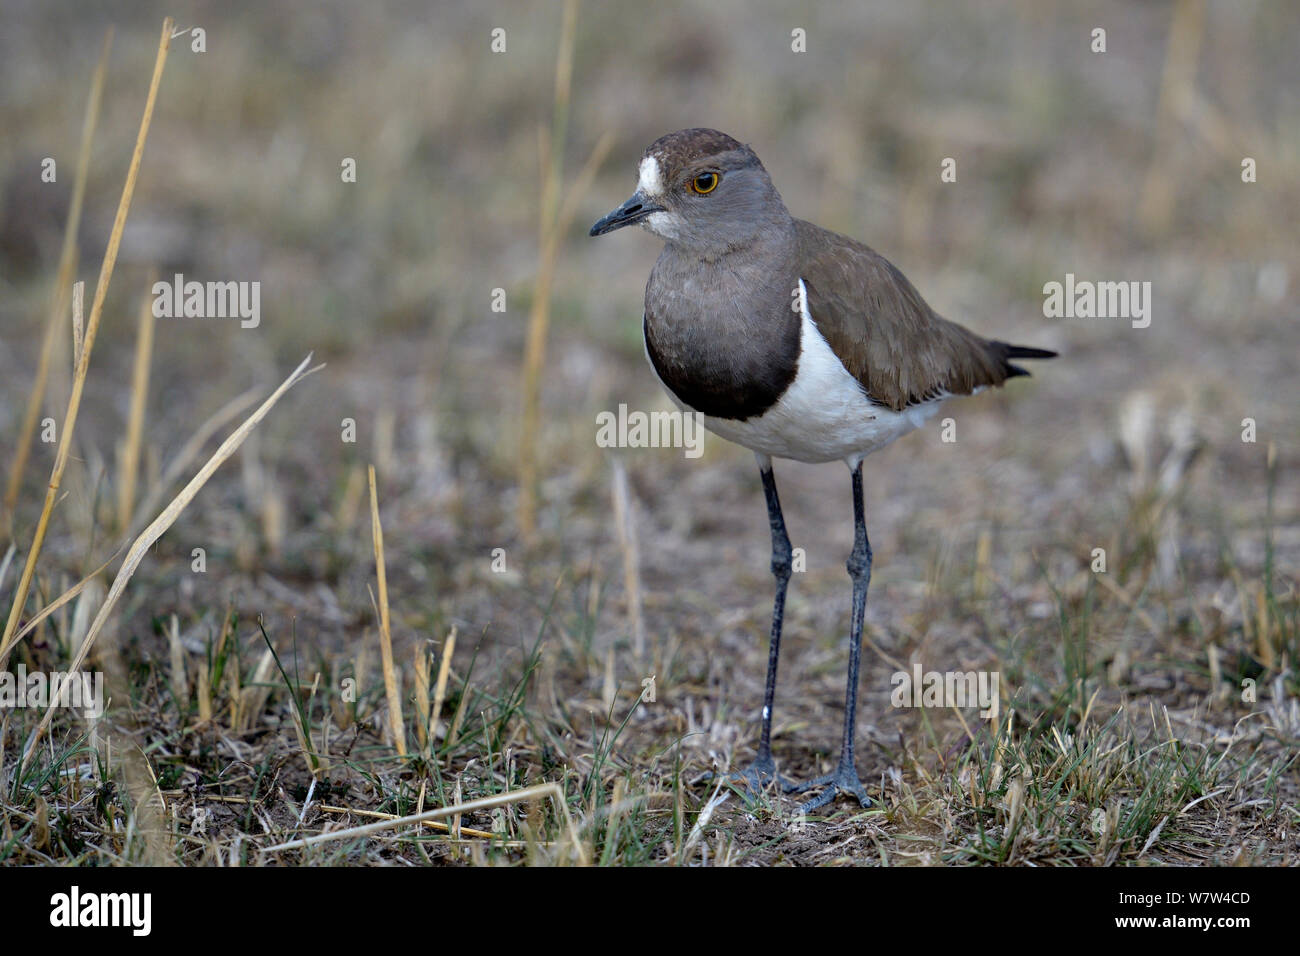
(794, 342)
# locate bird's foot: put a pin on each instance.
(760, 775)
(843, 780)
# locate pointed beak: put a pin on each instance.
(631, 212)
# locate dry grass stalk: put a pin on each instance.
(625, 526)
(431, 824)
(63, 598)
(147, 538)
(555, 220)
(255, 694)
(273, 518)
(129, 464)
(62, 283)
(536, 792)
(323, 750)
(717, 799)
(391, 686)
(176, 654)
(81, 618)
(317, 762)
(608, 685)
(1177, 92)
(616, 808)
(440, 689)
(350, 503)
(539, 321)
(78, 322)
(457, 719)
(204, 691)
(5, 562)
(83, 359)
(361, 671)
(147, 818)
(422, 701)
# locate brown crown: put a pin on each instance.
(677, 150)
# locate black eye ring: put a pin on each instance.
(705, 183)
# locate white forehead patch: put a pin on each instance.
(650, 183)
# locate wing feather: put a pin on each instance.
(889, 339)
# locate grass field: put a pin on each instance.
(1118, 537)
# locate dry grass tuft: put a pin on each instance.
(129, 460)
(83, 352)
(146, 539)
(392, 679)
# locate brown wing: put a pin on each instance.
(899, 348)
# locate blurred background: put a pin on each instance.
(1117, 165)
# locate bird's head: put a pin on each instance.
(703, 190)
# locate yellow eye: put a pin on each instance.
(705, 183)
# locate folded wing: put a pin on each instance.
(889, 339)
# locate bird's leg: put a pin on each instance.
(845, 777)
(763, 770)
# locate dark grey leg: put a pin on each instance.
(845, 777)
(763, 769)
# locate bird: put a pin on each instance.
(797, 343)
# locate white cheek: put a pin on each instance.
(666, 224)
(650, 182)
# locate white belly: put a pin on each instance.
(823, 415)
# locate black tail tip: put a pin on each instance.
(1024, 351)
